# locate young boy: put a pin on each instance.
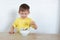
(23, 21)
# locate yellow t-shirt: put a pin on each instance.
(22, 23)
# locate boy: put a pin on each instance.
(23, 21)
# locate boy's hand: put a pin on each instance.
(11, 32)
(33, 25)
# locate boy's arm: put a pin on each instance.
(12, 30)
(13, 26)
(33, 24)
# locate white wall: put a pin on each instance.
(44, 12)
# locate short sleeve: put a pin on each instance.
(15, 23)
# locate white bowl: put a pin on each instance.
(24, 32)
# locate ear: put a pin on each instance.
(29, 11)
(18, 11)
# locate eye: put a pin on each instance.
(25, 13)
(21, 13)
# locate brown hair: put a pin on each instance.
(23, 7)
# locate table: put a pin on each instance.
(31, 36)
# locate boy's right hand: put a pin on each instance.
(11, 32)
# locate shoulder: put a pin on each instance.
(17, 19)
(29, 18)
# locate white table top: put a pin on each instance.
(32, 36)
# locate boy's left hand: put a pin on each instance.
(33, 25)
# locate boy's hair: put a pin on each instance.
(23, 7)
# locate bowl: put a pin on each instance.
(24, 32)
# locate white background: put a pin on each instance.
(43, 12)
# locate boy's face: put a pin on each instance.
(24, 13)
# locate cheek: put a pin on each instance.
(23, 14)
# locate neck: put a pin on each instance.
(23, 17)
